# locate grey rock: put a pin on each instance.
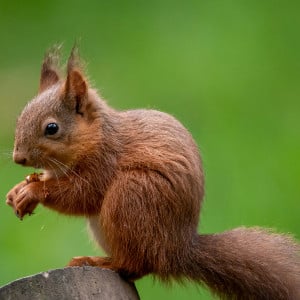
(80, 283)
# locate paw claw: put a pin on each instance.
(17, 213)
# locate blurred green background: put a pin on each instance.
(229, 70)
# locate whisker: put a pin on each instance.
(58, 181)
(51, 161)
(61, 168)
(5, 157)
(6, 153)
(69, 169)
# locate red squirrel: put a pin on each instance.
(137, 177)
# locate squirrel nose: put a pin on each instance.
(19, 159)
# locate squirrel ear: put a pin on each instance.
(49, 74)
(75, 86)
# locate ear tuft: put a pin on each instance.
(50, 66)
(74, 61)
(76, 86)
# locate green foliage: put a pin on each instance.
(229, 70)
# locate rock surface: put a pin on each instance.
(86, 283)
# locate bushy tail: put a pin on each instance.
(246, 264)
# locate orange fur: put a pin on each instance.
(137, 177)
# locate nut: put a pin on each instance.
(33, 177)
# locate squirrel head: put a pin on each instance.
(55, 127)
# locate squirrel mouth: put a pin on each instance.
(36, 166)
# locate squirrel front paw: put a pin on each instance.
(25, 202)
(12, 194)
(22, 198)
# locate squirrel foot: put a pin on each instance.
(102, 262)
(94, 261)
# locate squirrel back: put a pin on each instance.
(137, 177)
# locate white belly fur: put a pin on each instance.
(96, 231)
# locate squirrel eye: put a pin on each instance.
(51, 129)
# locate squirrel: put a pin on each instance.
(137, 177)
